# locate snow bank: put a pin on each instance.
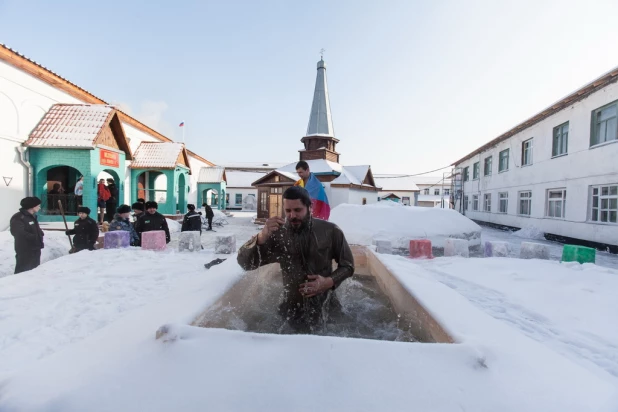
(173, 225)
(56, 245)
(530, 232)
(397, 223)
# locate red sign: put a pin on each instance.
(108, 158)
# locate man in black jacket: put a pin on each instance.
(28, 235)
(112, 203)
(192, 220)
(85, 229)
(209, 215)
(152, 220)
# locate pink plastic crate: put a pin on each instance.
(153, 240)
(420, 249)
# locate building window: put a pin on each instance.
(525, 203)
(465, 203)
(503, 202)
(364, 200)
(560, 142)
(426, 191)
(556, 203)
(276, 190)
(503, 161)
(436, 192)
(604, 125)
(447, 192)
(238, 198)
(466, 174)
(487, 166)
(476, 168)
(487, 202)
(526, 153)
(475, 202)
(605, 203)
(264, 201)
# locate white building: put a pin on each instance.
(557, 171)
(240, 175)
(435, 191)
(27, 93)
(397, 188)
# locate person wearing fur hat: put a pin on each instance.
(85, 231)
(28, 235)
(152, 220)
(192, 220)
(121, 222)
(138, 210)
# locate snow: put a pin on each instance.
(78, 333)
(239, 179)
(173, 225)
(530, 232)
(394, 183)
(157, 154)
(56, 245)
(319, 166)
(390, 220)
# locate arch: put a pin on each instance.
(57, 183)
(182, 193)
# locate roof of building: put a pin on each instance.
(398, 184)
(317, 166)
(578, 95)
(70, 125)
(266, 166)
(215, 174)
(354, 175)
(237, 178)
(159, 155)
(320, 118)
(48, 76)
(391, 195)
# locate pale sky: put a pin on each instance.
(413, 86)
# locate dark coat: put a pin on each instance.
(86, 233)
(113, 191)
(311, 254)
(148, 222)
(209, 213)
(192, 222)
(26, 231)
(123, 224)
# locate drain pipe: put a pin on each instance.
(26, 163)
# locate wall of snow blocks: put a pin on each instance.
(456, 247)
(117, 239)
(496, 249)
(153, 240)
(531, 250)
(420, 249)
(189, 241)
(225, 244)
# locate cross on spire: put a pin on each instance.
(322, 53)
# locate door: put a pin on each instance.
(276, 206)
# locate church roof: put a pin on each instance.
(320, 119)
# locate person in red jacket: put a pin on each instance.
(103, 197)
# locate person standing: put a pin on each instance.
(121, 222)
(138, 210)
(28, 235)
(152, 220)
(85, 231)
(192, 220)
(209, 215)
(79, 191)
(102, 196)
(112, 202)
(320, 208)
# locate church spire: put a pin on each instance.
(320, 119)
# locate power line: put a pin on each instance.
(417, 174)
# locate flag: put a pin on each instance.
(320, 207)
(181, 124)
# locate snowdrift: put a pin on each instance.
(397, 223)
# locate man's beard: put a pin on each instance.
(302, 227)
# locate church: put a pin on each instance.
(343, 184)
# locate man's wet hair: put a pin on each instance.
(298, 193)
(302, 165)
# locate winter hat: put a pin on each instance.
(123, 209)
(151, 204)
(30, 202)
(83, 209)
(110, 180)
(138, 206)
(190, 206)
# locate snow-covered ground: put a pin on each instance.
(78, 333)
(56, 245)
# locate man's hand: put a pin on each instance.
(315, 285)
(272, 225)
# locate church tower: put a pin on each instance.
(320, 139)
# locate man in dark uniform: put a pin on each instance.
(305, 248)
(192, 220)
(112, 203)
(85, 229)
(138, 210)
(28, 235)
(152, 220)
(209, 215)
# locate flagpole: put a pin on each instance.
(183, 133)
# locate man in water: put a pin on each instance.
(305, 247)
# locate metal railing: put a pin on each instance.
(70, 203)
